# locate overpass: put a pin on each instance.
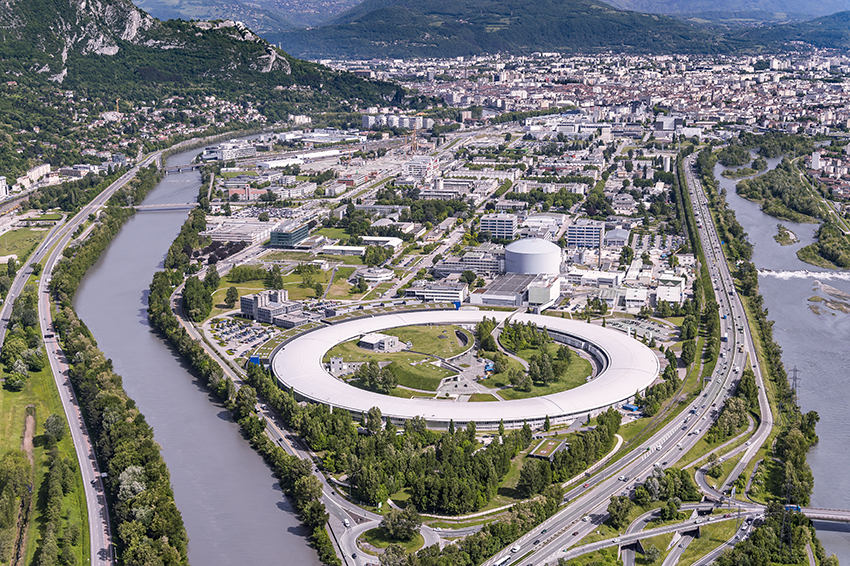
(181, 168)
(161, 207)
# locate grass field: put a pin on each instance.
(20, 242)
(602, 557)
(281, 256)
(231, 174)
(437, 340)
(481, 398)
(378, 538)
(345, 259)
(425, 376)
(40, 392)
(340, 288)
(49, 217)
(575, 375)
(334, 234)
(245, 288)
(660, 542)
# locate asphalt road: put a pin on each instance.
(100, 535)
(673, 440)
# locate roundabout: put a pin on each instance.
(625, 365)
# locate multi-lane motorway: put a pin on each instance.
(590, 500)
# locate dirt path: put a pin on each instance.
(29, 431)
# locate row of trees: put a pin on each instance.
(295, 475)
(15, 480)
(59, 535)
(798, 432)
(22, 352)
(149, 526)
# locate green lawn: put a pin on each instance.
(481, 398)
(660, 542)
(604, 557)
(378, 538)
(290, 255)
(231, 174)
(40, 392)
(50, 217)
(346, 259)
(439, 340)
(425, 376)
(575, 375)
(334, 234)
(340, 288)
(21, 241)
(245, 288)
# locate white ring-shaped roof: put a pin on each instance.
(630, 367)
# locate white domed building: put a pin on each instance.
(533, 256)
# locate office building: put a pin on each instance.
(500, 225)
(288, 235)
(585, 233)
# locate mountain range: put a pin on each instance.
(792, 8)
(114, 49)
(439, 28)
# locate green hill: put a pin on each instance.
(829, 31)
(114, 49)
(437, 28)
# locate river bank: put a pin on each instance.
(231, 504)
(812, 343)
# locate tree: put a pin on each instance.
(212, 279)
(373, 420)
(11, 267)
(642, 496)
(670, 510)
(401, 525)
(546, 424)
(618, 509)
(306, 489)
(263, 217)
(652, 554)
(394, 555)
(54, 428)
(231, 297)
(468, 277)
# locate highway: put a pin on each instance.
(100, 536)
(667, 445)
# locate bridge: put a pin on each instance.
(181, 168)
(173, 206)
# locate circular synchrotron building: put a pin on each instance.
(624, 366)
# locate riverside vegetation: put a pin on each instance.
(792, 480)
(149, 526)
(442, 472)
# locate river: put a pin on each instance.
(816, 344)
(233, 508)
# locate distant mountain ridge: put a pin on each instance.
(113, 49)
(794, 7)
(262, 16)
(254, 16)
(437, 28)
